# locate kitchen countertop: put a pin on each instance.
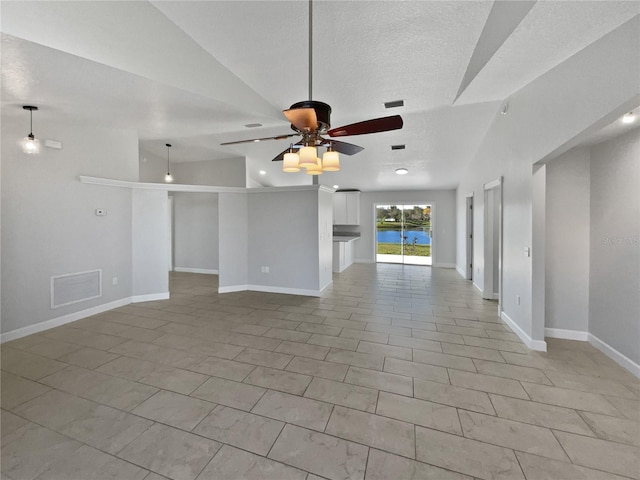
(345, 238)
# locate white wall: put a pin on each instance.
(444, 222)
(233, 246)
(567, 241)
(283, 235)
(325, 242)
(195, 232)
(614, 290)
(543, 116)
(150, 244)
(227, 172)
(49, 226)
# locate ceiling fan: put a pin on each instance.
(311, 120)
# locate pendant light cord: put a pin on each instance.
(168, 148)
(31, 124)
(310, 48)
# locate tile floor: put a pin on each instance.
(394, 373)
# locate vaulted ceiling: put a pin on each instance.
(195, 72)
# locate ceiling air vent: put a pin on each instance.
(398, 147)
(394, 104)
(253, 125)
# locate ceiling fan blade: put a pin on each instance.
(376, 125)
(343, 147)
(304, 119)
(255, 140)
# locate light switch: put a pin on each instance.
(527, 251)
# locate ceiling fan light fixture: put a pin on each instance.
(291, 162)
(308, 157)
(331, 161)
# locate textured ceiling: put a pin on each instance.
(195, 72)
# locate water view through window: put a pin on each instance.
(403, 234)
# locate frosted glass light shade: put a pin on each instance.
(168, 178)
(290, 163)
(30, 145)
(315, 169)
(331, 161)
(308, 157)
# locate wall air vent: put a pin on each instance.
(394, 104)
(398, 147)
(75, 287)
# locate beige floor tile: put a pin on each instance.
(81, 337)
(300, 411)
(487, 383)
(333, 320)
(385, 466)
(366, 336)
(477, 324)
(472, 352)
(388, 329)
(240, 429)
(199, 346)
(156, 353)
(537, 361)
(333, 342)
(508, 433)
(344, 394)
(31, 449)
(86, 357)
(55, 409)
(543, 468)
(324, 455)
(219, 367)
(627, 407)
(319, 329)
(417, 370)
(260, 343)
(613, 428)
(387, 382)
(303, 350)
(515, 372)
(419, 412)
(590, 402)
(453, 396)
(318, 368)
(591, 384)
(495, 344)
(476, 332)
(601, 454)
(174, 379)
(234, 464)
(170, 452)
(264, 358)
(364, 360)
(17, 390)
(174, 409)
(417, 343)
(380, 432)
(129, 368)
(444, 360)
(28, 365)
(551, 416)
(437, 336)
(506, 336)
(289, 335)
(289, 382)
(386, 350)
(53, 348)
(251, 329)
(9, 423)
(229, 393)
(466, 456)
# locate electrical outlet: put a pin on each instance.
(518, 299)
(101, 212)
(114, 281)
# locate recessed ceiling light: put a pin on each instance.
(629, 117)
(336, 186)
(253, 125)
(401, 171)
(256, 140)
(262, 172)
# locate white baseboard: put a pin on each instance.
(205, 271)
(462, 273)
(288, 291)
(477, 288)
(328, 285)
(444, 265)
(150, 297)
(233, 288)
(566, 334)
(58, 321)
(363, 260)
(618, 357)
(539, 345)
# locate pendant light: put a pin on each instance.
(30, 144)
(168, 178)
(330, 160)
(315, 169)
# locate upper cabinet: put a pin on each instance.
(346, 208)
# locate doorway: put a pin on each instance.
(404, 234)
(493, 241)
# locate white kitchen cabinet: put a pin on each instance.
(342, 255)
(346, 208)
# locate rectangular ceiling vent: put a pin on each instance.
(75, 287)
(394, 104)
(398, 147)
(253, 125)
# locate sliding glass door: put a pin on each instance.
(403, 234)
